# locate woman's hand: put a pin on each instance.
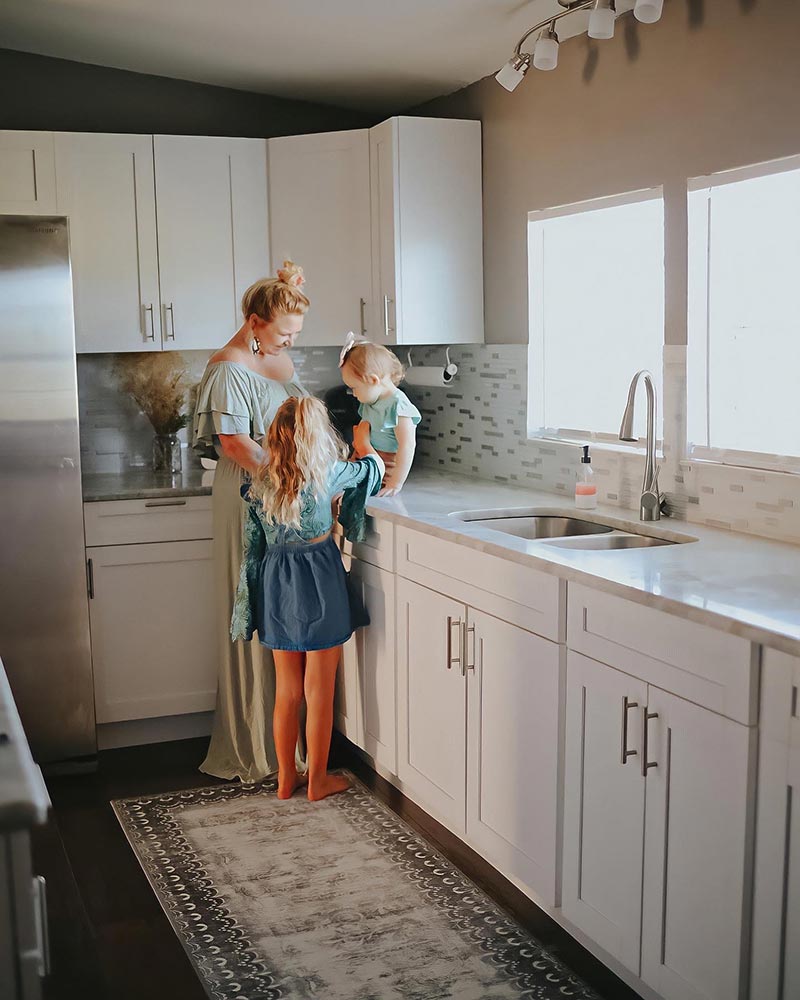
(361, 441)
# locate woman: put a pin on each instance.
(243, 385)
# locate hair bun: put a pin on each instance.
(291, 274)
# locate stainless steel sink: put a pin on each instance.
(534, 525)
(617, 542)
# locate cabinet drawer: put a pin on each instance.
(514, 593)
(161, 519)
(701, 664)
(376, 549)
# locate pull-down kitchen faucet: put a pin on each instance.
(651, 499)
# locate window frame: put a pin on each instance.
(704, 453)
(536, 429)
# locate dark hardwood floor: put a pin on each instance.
(109, 935)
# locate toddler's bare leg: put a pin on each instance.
(320, 681)
(288, 696)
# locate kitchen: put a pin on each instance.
(589, 712)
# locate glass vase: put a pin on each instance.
(167, 453)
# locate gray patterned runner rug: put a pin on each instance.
(334, 900)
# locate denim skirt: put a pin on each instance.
(305, 600)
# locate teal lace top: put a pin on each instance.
(358, 481)
(233, 399)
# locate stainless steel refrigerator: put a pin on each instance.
(44, 611)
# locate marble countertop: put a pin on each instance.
(133, 484)
(741, 584)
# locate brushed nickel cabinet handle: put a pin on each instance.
(450, 658)
(469, 630)
(362, 303)
(386, 328)
(169, 309)
(626, 705)
(152, 334)
(646, 764)
(90, 578)
(165, 503)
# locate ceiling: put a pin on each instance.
(372, 55)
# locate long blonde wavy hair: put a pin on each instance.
(302, 447)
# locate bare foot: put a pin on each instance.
(288, 785)
(329, 784)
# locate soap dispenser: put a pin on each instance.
(585, 488)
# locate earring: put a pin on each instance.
(255, 347)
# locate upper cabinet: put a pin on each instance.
(166, 233)
(388, 226)
(106, 187)
(319, 217)
(27, 173)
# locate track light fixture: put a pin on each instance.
(602, 16)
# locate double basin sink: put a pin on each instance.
(567, 531)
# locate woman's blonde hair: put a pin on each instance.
(374, 359)
(271, 297)
(302, 447)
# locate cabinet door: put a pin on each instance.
(376, 664)
(346, 707)
(106, 187)
(604, 807)
(200, 205)
(154, 641)
(697, 833)
(384, 206)
(513, 737)
(776, 904)
(319, 204)
(431, 702)
(27, 173)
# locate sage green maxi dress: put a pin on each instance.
(233, 399)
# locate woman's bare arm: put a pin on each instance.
(243, 450)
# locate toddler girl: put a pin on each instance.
(293, 587)
(373, 374)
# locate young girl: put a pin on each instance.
(293, 587)
(373, 373)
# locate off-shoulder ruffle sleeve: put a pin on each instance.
(224, 405)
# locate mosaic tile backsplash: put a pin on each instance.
(477, 426)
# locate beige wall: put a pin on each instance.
(715, 84)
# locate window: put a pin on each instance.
(744, 316)
(596, 313)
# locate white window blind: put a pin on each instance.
(744, 316)
(596, 313)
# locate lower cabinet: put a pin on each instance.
(776, 908)
(479, 723)
(154, 632)
(656, 823)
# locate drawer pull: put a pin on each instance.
(450, 658)
(625, 751)
(165, 503)
(646, 764)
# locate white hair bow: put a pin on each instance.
(350, 342)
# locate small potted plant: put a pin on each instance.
(158, 384)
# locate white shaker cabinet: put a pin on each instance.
(427, 231)
(649, 772)
(604, 806)
(319, 211)
(27, 173)
(432, 701)
(513, 740)
(776, 906)
(376, 664)
(106, 186)
(212, 234)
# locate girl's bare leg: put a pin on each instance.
(319, 687)
(288, 696)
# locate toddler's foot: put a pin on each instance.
(329, 784)
(288, 785)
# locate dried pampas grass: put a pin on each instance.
(158, 384)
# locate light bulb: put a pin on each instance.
(513, 73)
(545, 53)
(648, 11)
(601, 19)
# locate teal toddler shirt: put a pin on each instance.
(383, 416)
